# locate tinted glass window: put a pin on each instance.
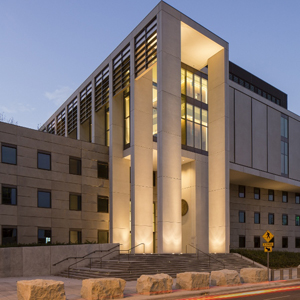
(284, 219)
(284, 197)
(75, 237)
(103, 236)
(256, 242)
(9, 195)
(285, 243)
(242, 218)
(256, 218)
(9, 236)
(256, 193)
(9, 154)
(297, 198)
(44, 161)
(75, 166)
(242, 241)
(271, 195)
(75, 202)
(271, 219)
(297, 221)
(102, 170)
(44, 236)
(241, 191)
(103, 204)
(44, 199)
(297, 242)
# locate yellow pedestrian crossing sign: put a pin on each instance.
(268, 236)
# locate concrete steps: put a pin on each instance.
(130, 267)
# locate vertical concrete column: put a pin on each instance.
(78, 116)
(169, 135)
(141, 123)
(93, 117)
(119, 185)
(218, 147)
(66, 120)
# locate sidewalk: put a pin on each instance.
(8, 288)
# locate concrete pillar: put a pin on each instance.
(218, 147)
(119, 186)
(169, 134)
(99, 131)
(141, 142)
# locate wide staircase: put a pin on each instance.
(132, 266)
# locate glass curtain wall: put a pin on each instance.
(194, 108)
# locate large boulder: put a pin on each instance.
(41, 289)
(154, 284)
(249, 275)
(192, 280)
(102, 288)
(224, 277)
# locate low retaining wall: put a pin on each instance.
(34, 261)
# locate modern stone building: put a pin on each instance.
(166, 143)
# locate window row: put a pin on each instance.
(9, 197)
(271, 218)
(44, 236)
(271, 197)
(257, 242)
(9, 156)
(253, 88)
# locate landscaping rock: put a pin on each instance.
(225, 277)
(102, 288)
(249, 275)
(40, 289)
(154, 284)
(192, 280)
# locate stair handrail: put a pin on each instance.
(90, 258)
(78, 257)
(209, 256)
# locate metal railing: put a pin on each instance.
(209, 256)
(78, 257)
(101, 258)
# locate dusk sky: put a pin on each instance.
(48, 48)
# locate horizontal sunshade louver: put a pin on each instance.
(102, 88)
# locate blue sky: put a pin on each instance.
(48, 48)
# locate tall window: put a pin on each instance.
(242, 241)
(297, 242)
(75, 165)
(154, 99)
(284, 145)
(285, 219)
(103, 236)
(256, 193)
(9, 195)
(9, 154)
(126, 97)
(297, 220)
(242, 216)
(242, 191)
(194, 114)
(256, 218)
(44, 199)
(102, 169)
(271, 218)
(271, 195)
(102, 203)
(297, 198)
(75, 237)
(285, 242)
(44, 236)
(284, 197)
(74, 202)
(257, 242)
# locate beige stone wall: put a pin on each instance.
(264, 207)
(26, 216)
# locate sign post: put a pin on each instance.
(268, 236)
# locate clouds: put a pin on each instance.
(59, 96)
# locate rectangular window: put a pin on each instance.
(271, 218)
(241, 191)
(103, 204)
(297, 220)
(257, 242)
(126, 99)
(204, 90)
(256, 218)
(44, 161)
(75, 202)
(284, 197)
(75, 237)
(9, 195)
(285, 220)
(189, 84)
(9, 236)
(103, 237)
(9, 154)
(74, 165)
(285, 242)
(44, 199)
(297, 198)
(44, 236)
(297, 242)
(256, 193)
(102, 170)
(242, 216)
(242, 241)
(107, 126)
(271, 195)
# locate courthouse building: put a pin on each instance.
(166, 143)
